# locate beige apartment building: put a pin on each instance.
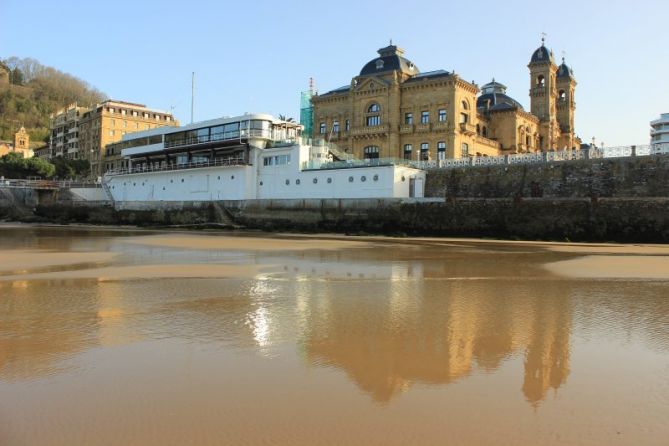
(84, 132)
(391, 109)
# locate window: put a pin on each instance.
(562, 96)
(134, 113)
(408, 118)
(123, 112)
(541, 81)
(424, 117)
(347, 125)
(111, 133)
(407, 151)
(424, 151)
(442, 115)
(373, 120)
(465, 105)
(464, 118)
(465, 150)
(374, 108)
(125, 124)
(322, 128)
(484, 132)
(335, 127)
(441, 150)
(371, 152)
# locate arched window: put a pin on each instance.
(407, 151)
(373, 118)
(371, 152)
(485, 131)
(541, 81)
(562, 96)
(465, 105)
(465, 150)
(478, 129)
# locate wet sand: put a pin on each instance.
(613, 267)
(17, 260)
(194, 271)
(223, 242)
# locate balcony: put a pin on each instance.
(406, 128)
(467, 128)
(422, 128)
(371, 130)
(440, 126)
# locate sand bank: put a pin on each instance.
(18, 260)
(221, 242)
(113, 273)
(613, 267)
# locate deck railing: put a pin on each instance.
(175, 166)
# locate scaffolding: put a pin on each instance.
(306, 109)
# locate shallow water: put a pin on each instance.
(318, 341)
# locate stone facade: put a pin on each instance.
(391, 109)
(21, 145)
(84, 132)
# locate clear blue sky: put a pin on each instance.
(258, 55)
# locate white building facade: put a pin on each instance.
(659, 134)
(254, 156)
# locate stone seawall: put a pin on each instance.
(576, 219)
(645, 176)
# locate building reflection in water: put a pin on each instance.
(419, 327)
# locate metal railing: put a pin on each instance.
(239, 161)
(46, 184)
(219, 136)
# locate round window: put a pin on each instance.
(182, 180)
(315, 180)
(134, 184)
(363, 178)
(261, 183)
(350, 179)
(376, 178)
(329, 180)
(297, 181)
(287, 182)
(232, 177)
(219, 177)
(403, 179)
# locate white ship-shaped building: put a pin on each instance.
(254, 156)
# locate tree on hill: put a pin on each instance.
(45, 90)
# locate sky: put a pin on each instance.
(258, 56)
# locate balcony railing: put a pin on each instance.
(218, 137)
(223, 162)
(467, 128)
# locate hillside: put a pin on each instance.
(34, 92)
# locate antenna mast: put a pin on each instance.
(192, 96)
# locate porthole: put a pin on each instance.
(171, 181)
(261, 183)
(297, 181)
(350, 179)
(124, 184)
(329, 180)
(315, 180)
(219, 177)
(113, 187)
(182, 180)
(134, 184)
(232, 177)
(375, 178)
(163, 187)
(363, 178)
(287, 182)
(403, 179)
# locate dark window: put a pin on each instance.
(408, 118)
(371, 152)
(424, 117)
(374, 108)
(407, 151)
(373, 120)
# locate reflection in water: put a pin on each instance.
(439, 333)
(367, 330)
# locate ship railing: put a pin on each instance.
(351, 163)
(238, 161)
(46, 184)
(232, 135)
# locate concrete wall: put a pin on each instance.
(645, 176)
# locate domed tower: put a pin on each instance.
(543, 96)
(566, 85)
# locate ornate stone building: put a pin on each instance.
(391, 109)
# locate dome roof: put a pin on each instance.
(542, 54)
(494, 97)
(391, 59)
(565, 71)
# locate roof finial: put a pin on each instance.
(543, 38)
(563, 55)
(391, 41)
(493, 79)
